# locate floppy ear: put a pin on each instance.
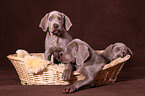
(67, 22)
(129, 51)
(108, 52)
(82, 54)
(44, 23)
(72, 46)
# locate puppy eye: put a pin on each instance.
(61, 54)
(59, 18)
(50, 19)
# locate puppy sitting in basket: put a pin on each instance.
(56, 24)
(88, 63)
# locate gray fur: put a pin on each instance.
(56, 24)
(88, 63)
(115, 51)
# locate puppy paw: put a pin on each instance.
(66, 74)
(69, 89)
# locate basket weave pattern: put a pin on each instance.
(52, 74)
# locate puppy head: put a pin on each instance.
(120, 50)
(54, 22)
(116, 50)
(75, 51)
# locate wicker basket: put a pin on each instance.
(52, 74)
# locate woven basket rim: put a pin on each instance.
(111, 64)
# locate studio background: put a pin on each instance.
(97, 22)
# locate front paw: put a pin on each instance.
(66, 74)
(69, 89)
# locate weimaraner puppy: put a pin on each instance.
(115, 51)
(86, 61)
(56, 24)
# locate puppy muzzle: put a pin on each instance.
(57, 32)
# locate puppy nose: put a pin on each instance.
(55, 26)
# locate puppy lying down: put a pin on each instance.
(85, 59)
(115, 51)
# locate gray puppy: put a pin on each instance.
(115, 51)
(86, 61)
(56, 24)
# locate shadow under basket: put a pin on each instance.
(52, 74)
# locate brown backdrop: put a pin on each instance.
(98, 22)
